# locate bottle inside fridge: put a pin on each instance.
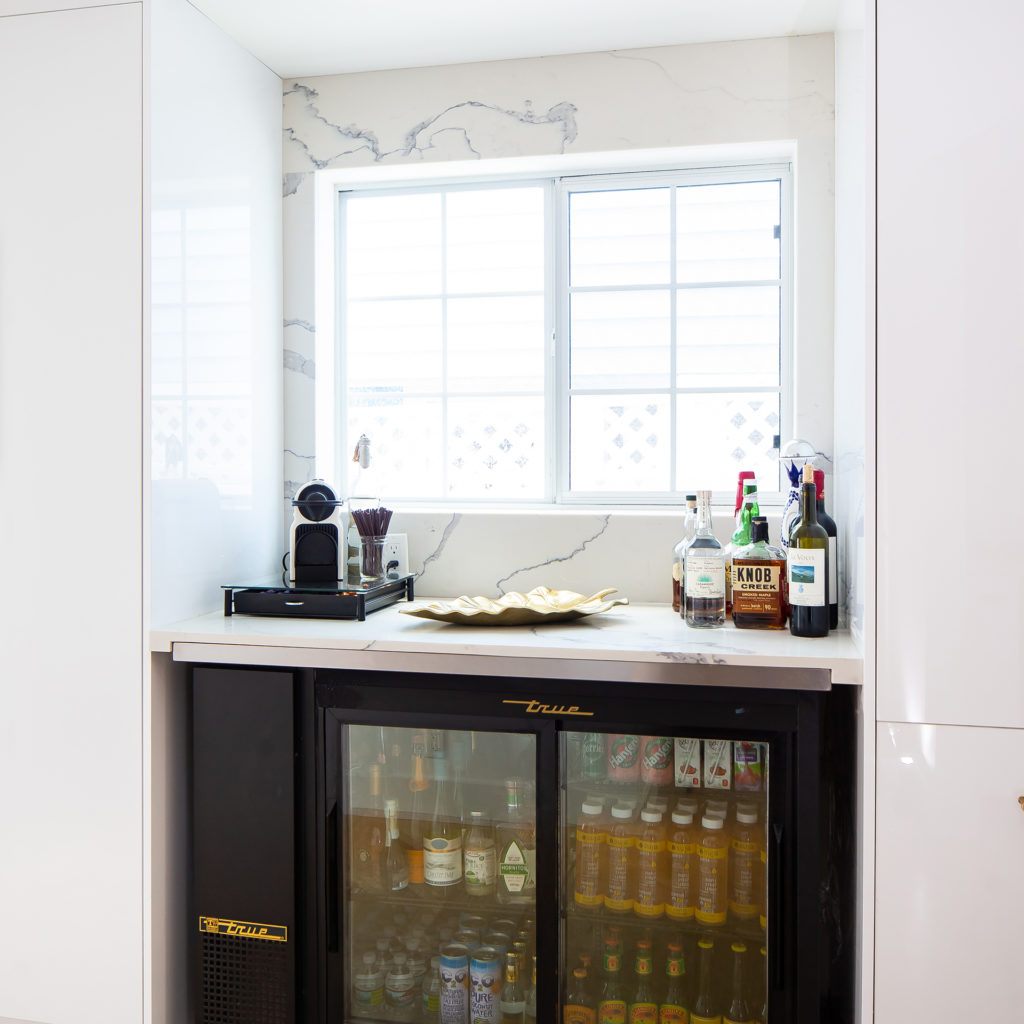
(668, 862)
(438, 857)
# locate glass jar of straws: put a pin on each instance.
(372, 524)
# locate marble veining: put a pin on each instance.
(442, 544)
(325, 143)
(500, 584)
(298, 363)
(292, 181)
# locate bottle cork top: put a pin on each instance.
(808, 474)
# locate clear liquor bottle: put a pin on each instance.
(515, 839)
(759, 581)
(704, 580)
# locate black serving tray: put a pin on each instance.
(315, 600)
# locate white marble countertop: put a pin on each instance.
(639, 642)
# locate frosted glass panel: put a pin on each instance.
(394, 346)
(620, 339)
(728, 337)
(620, 237)
(728, 232)
(407, 441)
(496, 344)
(495, 447)
(719, 434)
(495, 240)
(393, 245)
(620, 443)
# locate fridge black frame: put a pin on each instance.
(809, 926)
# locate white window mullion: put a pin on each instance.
(561, 302)
(444, 344)
(673, 376)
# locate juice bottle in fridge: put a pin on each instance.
(651, 866)
(591, 837)
(744, 865)
(621, 884)
(682, 852)
(712, 872)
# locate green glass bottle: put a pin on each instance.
(675, 1004)
(643, 1007)
(611, 1005)
(807, 568)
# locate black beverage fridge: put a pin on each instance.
(469, 850)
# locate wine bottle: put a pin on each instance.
(396, 868)
(418, 788)
(442, 842)
(833, 553)
(808, 567)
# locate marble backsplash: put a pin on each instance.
(492, 553)
(718, 94)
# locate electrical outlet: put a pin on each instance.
(396, 549)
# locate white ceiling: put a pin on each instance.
(301, 38)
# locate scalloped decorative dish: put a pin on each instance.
(515, 609)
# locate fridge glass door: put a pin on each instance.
(664, 868)
(438, 867)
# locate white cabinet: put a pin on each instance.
(950, 361)
(70, 516)
(949, 885)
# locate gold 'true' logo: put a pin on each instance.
(534, 707)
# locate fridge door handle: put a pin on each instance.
(774, 917)
(331, 894)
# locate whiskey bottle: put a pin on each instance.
(759, 581)
(704, 578)
(807, 569)
(689, 527)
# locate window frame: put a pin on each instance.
(557, 188)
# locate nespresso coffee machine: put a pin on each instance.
(317, 551)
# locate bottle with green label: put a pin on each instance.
(611, 1005)
(643, 1006)
(675, 1004)
(807, 567)
(515, 838)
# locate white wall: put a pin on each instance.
(71, 648)
(215, 298)
(759, 91)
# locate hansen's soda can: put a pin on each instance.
(656, 760)
(623, 758)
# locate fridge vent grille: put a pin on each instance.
(244, 981)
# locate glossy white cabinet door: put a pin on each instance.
(949, 876)
(950, 361)
(70, 516)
